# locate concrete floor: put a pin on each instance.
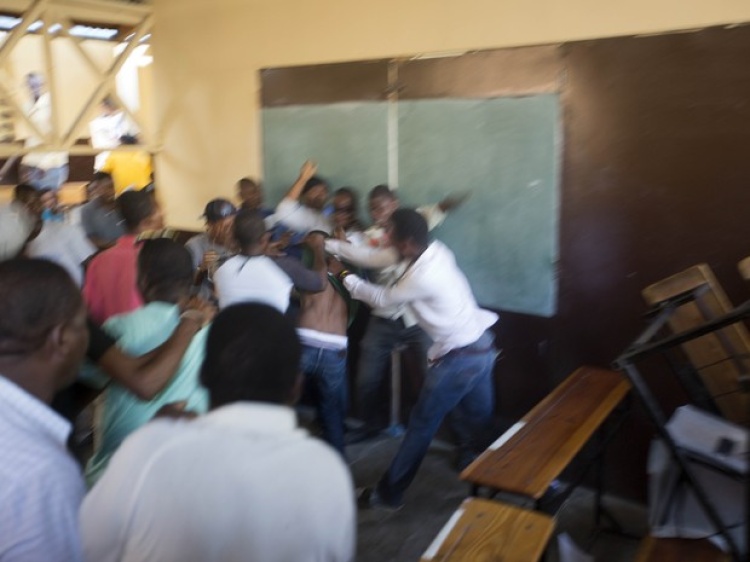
(404, 535)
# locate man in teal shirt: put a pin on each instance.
(164, 278)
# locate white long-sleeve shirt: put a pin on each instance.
(437, 292)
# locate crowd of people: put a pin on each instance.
(200, 352)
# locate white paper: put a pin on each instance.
(432, 550)
(515, 428)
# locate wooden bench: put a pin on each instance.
(534, 452)
(484, 530)
(679, 550)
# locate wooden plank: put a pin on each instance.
(553, 432)
(679, 550)
(487, 530)
(720, 358)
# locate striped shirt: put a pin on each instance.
(41, 486)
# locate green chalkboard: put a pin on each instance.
(347, 140)
(506, 151)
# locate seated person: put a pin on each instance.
(110, 287)
(213, 246)
(100, 217)
(301, 209)
(130, 169)
(164, 278)
(253, 276)
(242, 482)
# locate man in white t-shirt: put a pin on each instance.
(301, 209)
(253, 276)
(242, 482)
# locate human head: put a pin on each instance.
(165, 271)
(43, 331)
(35, 84)
(382, 204)
(108, 105)
(409, 233)
(315, 193)
(219, 215)
(139, 212)
(252, 355)
(250, 229)
(344, 207)
(128, 139)
(101, 187)
(250, 193)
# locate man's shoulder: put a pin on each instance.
(197, 241)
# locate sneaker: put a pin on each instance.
(368, 498)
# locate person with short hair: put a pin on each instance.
(242, 482)
(214, 246)
(43, 337)
(301, 209)
(110, 285)
(461, 357)
(346, 223)
(251, 275)
(250, 193)
(100, 217)
(164, 280)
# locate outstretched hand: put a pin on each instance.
(308, 170)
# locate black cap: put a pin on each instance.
(218, 209)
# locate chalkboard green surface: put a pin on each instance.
(347, 140)
(505, 151)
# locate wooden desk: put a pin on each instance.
(485, 530)
(537, 449)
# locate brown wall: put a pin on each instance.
(656, 178)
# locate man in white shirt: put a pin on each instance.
(390, 325)
(301, 209)
(459, 379)
(242, 482)
(43, 337)
(253, 276)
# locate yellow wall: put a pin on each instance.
(207, 56)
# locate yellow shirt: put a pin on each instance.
(129, 169)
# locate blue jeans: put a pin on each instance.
(381, 337)
(460, 384)
(326, 370)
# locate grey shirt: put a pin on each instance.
(102, 223)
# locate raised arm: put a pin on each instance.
(148, 374)
(308, 170)
(362, 256)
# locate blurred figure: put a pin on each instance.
(214, 246)
(41, 169)
(250, 193)
(51, 210)
(346, 223)
(43, 337)
(130, 169)
(242, 482)
(106, 129)
(301, 209)
(100, 217)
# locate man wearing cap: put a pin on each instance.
(211, 248)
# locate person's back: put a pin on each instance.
(242, 482)
(110, 284)
(164, 274)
